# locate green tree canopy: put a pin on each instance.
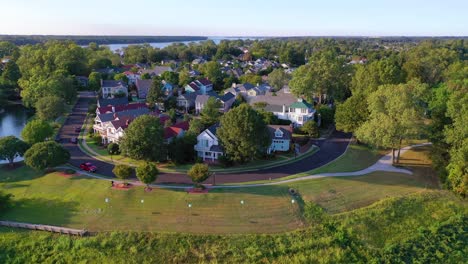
(278, 78)
(310, 128)
(147, 173)
(210, 113)
(94, 81)
(352, 113)
(212, 71)
(155, 93)
(50, 107)
(143, 139)
(12, 147)
(122, 171)
(243, 133)
(46, 155)
(36, 131)
(199, 173)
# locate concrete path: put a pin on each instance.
(383, 164)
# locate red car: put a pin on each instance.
(88, 167)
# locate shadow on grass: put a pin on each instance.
(18, 173)
(41, 211)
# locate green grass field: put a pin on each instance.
(79, 202)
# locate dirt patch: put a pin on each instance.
(196, 190)
(67, 175)
(122, 186)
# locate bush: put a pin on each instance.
(310, 128)
(97, 139)
(327, 115)
(5, 201)
(92, 108)
(313, 212)
(113, 149)
(225, 161)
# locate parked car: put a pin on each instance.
(88, 167)
(74, 140)
(77, 129)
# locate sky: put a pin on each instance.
(236, 18)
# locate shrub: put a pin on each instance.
(122, 171)
(97, 139)
(5, 201)
(92, 108)
(113, 149)
(225, 161)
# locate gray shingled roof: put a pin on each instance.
(130, 113)
(113, 102)
(226, 97)
(112, 83)
(285, 129)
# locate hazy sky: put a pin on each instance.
(235, 18)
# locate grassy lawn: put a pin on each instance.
(79, 202)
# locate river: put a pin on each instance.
(161, 45)
(12, 121)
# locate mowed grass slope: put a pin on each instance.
(79, 202)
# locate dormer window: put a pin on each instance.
(278, 133)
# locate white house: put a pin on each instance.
(208, 146)
(280, 138)
(300, 112)
(132, 77)
(110, 87)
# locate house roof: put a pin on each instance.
(213, 128)
(205, 81)
(158, 70)
(202, 98)
(279, 98)
(112, 83)
(143, 87)
(216, 148)
(120, 108)
(113, 101)
(124, 114)
(170, 132)
(227, 96)
(301, 104)
(285, 129)
(123, 123)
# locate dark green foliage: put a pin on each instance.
(143, 139)
(11, 71)
(92, 108)
(352, 113)
(122, 172)
(147, 173)
(155, 93)
(113, 149)
(94, 81)
(199, 173)
(12, 147)
(36, 131)
(310, 128)
(196, 126)
(50, 107)
(46, 155)
(180, 149)
(327, 115)
(170, 77)
(5, 202)
(210, 113)
(243, 133)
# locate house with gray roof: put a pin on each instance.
(157, 70)
(208, 146)
(112, 102)
(110, 88)
(281, 137)
(225, 100)
(143, 87)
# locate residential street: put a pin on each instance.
(330, 149)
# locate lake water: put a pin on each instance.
(12, 121)
(161, 45)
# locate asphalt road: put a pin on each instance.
(330, 149)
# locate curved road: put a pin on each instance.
(330, 149)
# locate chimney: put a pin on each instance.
(115, 116)
(127, 122)
(284, 108)
(113, 109)
(234, 85)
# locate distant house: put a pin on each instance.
(110, 87)
(132, 77)
(285, 106)
(119, 108)
(241, 89)
(175, 131)
(226, 101)
(167, 88)
(202, 85)
(157, 70)
(194, 73)
(280, 138)
(186, 100)
(112, 102)
(208, 146)
(143, 87)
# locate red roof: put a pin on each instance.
(170, 132)
(194, 86)
(120, 108)
(163, 119)
(128, 66)
(182, 125)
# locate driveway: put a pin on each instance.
(330, 149)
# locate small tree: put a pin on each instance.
(122, 172)
(49, 107)
(97, 139)
(210, 113)
(12, 147)
(147, 173)
(36, 131)
(310, 128)
(196, 126)
(199, 173)
(113, 149)
(46, 155)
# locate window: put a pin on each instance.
(299, 119)
(304, 110)
(292, 110)
(206, 143)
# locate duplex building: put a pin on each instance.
(111, 88)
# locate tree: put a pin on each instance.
(11, 71)
(212, 71)
(278, 79)
(210, 113)
(113, 149)
(155, 93)
(184, 77)
(180, 149)
(352, 113)
(310, 128)
(395, 114)
(170, 77)
(46, 155)
(199, 173)
(327, 115)
(251, 78)
(196, 126)
(36, 131)
(12, 147)
(122, 171)
(243, 133)
(144, 139)
(94, 81)
(50, 107)
(324, 74)
(121, 77)
(147, 173)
